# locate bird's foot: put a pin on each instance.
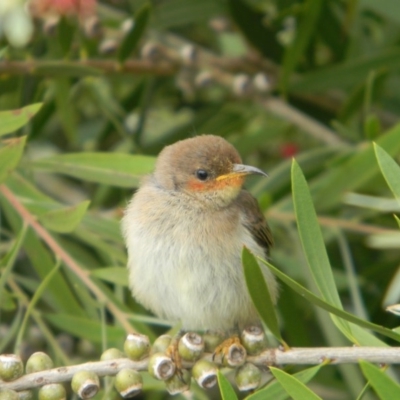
(231, 352)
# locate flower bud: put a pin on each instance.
(235, 356)
(189, 54)
(161, 367)
(52, 391)
(38, 361)
(111, 354)
(11, 367)
(161, 344)
(85, 384)
(254, 340)
(248, 377)
(178, 383)
(92, 27)
(136, 346)
(7, 394)
(261, 82)
(152, 52)
(204, 79)
(128, 383)
(108, 46)
(191, 346)
(205, 373)
(212, 339)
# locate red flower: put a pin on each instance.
(288, 150)
(79, 8)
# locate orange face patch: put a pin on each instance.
(228, 181)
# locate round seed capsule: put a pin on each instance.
(179, 383)
(111, 354)
(191, 346)
(161, 344)
(254, 340)
(128, 383)
(212, 340)
(248, 377)
(235, 356)
(7, 394)
(161, 367)
(205, 373)
(136, 346)
(85, 384)
(11, 367)
(38, 361)
(52, 391)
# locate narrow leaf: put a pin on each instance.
(117, 275)
(383, 385)
(311, 238)
(227, 392)
(259, 293)
(64, 220)
(12, 120)
(116, 169)
(275, 391)
(390, 170)
(132, 38)
(295, 388)
(312, 298)
(10, 154)
(84, 327)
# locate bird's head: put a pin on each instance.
(206, 167)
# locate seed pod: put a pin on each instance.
(85, 384)
(7, 394)
(191, 346)
(161, 344)
(128, 383)
(212, 340)
(136, 346)
(254, 340)
(161, 367)
(111, 354)
(205, 373)
(179, 383)
(248, 377)
(52, 391)
(108, 46)
(204, 79)
(38, 361)
(235, 356)
(261, 82)
(189, 54)
(92, 27)
(152, 52)
(11, 367)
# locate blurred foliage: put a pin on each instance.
(89, 97)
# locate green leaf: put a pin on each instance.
(85, 328)
(390, 170)
(12, 120)
(117, 169)
(259, 293)
(227, 392)
(64, 220)
(311, 238)
(312, 298)
(10, 153)
(383, 385)
(132, 38)
(275, 391)
(117, 275)
(308, 23)
(295, 388)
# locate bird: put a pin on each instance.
(185, 229)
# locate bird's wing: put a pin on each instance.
(255, 221)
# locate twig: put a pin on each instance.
(296, 355)
(66, 258)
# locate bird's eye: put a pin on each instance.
(201, 174)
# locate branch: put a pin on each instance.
(296, 355)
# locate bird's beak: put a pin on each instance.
(242, 170)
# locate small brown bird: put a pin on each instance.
(185, 229)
